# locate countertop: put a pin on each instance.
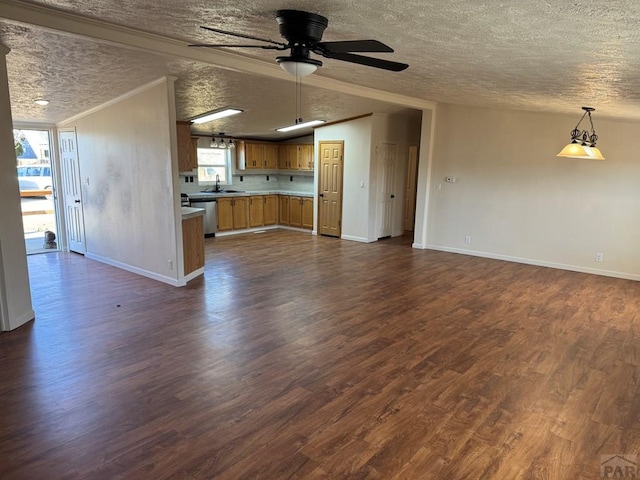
(190, 212)
(248, 193)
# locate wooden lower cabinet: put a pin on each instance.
(295, 211)
(233, 213)
(284, 209)
(240, 212)
(256, 211)
(261, 210)
(225, 214)
(307, 213)
(193, 243)
(270, 209)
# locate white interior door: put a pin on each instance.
(72, 191)
(387, 182)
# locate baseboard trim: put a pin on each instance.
(537, 263)
(18, 322)
(357, 239)
(132, 269)
(191, 276)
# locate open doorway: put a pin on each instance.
(35, 178)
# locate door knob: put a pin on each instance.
(393, 196)
(321, 195)
(76, 201)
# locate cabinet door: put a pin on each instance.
(185, 147)
(254, 155)
(193, 244)
(225, 214)
(305, 157)
(270, 209)
(240, 212)
(256, 211)
(288, 157)
(284, 210)
(295, 211)
(270, 156)
(193, 158)
(307, 213)
(283, 157)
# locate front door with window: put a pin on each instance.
(72, 191)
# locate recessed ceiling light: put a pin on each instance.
(41, 101)
(215, 115)
(311, 123)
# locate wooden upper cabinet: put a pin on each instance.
(187, 152)
(257, 156)
(270, 159)
(292, 156)
(288, 156)
(254, 155)
(305, 157)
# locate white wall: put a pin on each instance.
(15, 296)
(356, 135)
(132, 215)
(518, 201)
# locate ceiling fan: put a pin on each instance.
(303, 33)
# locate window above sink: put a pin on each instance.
(214, 163)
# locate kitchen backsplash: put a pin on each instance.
(253, 182)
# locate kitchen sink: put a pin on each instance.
(223, 191)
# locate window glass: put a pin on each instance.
(214, 162)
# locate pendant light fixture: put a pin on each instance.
(229, 145)
(583, 143)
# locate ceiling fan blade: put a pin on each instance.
(242, 35)
(226, 45)
(368, 61)
(355, 46)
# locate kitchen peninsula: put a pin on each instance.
(193, 242)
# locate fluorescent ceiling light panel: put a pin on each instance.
(41, 101)
(208, 117)
(311, 123)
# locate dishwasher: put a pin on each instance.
(210, 206)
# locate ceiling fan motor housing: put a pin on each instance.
(296, 26)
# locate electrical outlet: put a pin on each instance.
(467, 239)
(170, 264)
(599, 257)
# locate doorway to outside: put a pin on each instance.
(35, 178)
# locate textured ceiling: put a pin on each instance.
(541, 56)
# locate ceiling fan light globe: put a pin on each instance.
(298, 67)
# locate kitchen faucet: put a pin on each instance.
(217, 182)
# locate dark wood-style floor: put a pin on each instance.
(309, 357)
